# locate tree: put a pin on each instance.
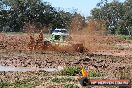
(114, 15)
(62, 19)
(128, 16)
(34, 12)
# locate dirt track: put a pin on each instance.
(52, 59)
(110, 66)
(105, 56)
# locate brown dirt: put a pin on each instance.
(100, 44)
(104, 54)
(110, 66)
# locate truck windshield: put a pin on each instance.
(62, 31)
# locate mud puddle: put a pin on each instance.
(25, 69)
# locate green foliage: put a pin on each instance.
(35, 12)
(94, 74)
(126, 37)
(22, 84)
(71, 86)
(71, 71)
(4, 85)
(16, 84)
(62, 80)
(117, 15)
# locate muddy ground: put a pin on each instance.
(106, 56)
(109, 66)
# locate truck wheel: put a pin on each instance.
(84, 81)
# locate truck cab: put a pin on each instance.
(59, 35)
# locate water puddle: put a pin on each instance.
(25, 69)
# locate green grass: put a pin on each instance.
(71, 71)
(126, 37)
(16, 84)
(95, 74)
(70, 86)
(22, 84)
(4, 85)
(62, 80)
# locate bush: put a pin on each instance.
(94, 74)
(62, 80)
(71, 86)
(4, 85)
(22, 84)
(71, 71)
(126, 37)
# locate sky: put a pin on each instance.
(83, 6)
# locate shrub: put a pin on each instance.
(71, 71)
(4, 85)
(71, 86)
(126, 37)
(62, 80)
(94, 74)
